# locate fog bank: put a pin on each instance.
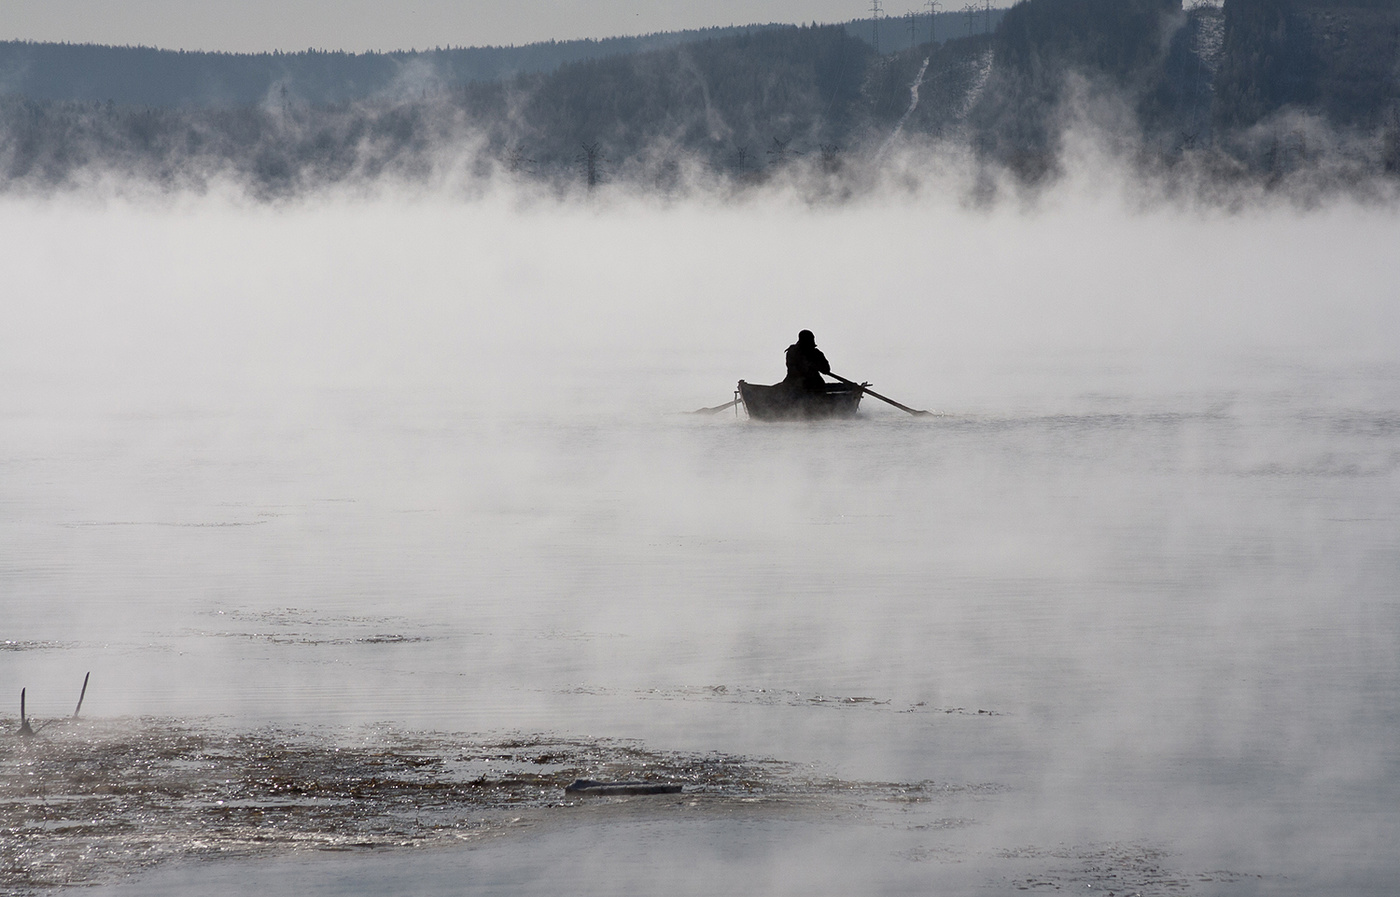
(627, 303)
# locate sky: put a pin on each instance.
(361, 25)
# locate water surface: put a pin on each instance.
(1123, 615)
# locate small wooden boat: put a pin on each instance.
(782, 402)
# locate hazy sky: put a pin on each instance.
(359, 25)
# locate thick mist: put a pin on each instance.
(1121, 615)
(562, 303)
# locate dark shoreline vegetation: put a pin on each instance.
(1295, 97)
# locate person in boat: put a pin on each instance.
(805, 365)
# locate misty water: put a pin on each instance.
(1122, 616)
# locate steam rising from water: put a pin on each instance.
(418, 461)
(549, 298)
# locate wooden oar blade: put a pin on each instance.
(716, 408)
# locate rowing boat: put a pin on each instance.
(783, 402)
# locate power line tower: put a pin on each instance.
(912, 19)
(987, 16)
(875, 24)
(516, 161)
(970, 11)
(592, 161)
(933, 7)
(780, 153)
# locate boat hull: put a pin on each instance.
(782, 402)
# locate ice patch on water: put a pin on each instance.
(88, 802)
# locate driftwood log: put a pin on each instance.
(591, 786)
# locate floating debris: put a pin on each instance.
(592, 786)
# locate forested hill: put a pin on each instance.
(145, 76)
(1256, 89)
(790, 89)
(1249, 78)
(1338, 57)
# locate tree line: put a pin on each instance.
(1255, 88)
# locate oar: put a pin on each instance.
(716, 408)
(913, 411)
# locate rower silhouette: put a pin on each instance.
(805, 365)
(803, 394)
